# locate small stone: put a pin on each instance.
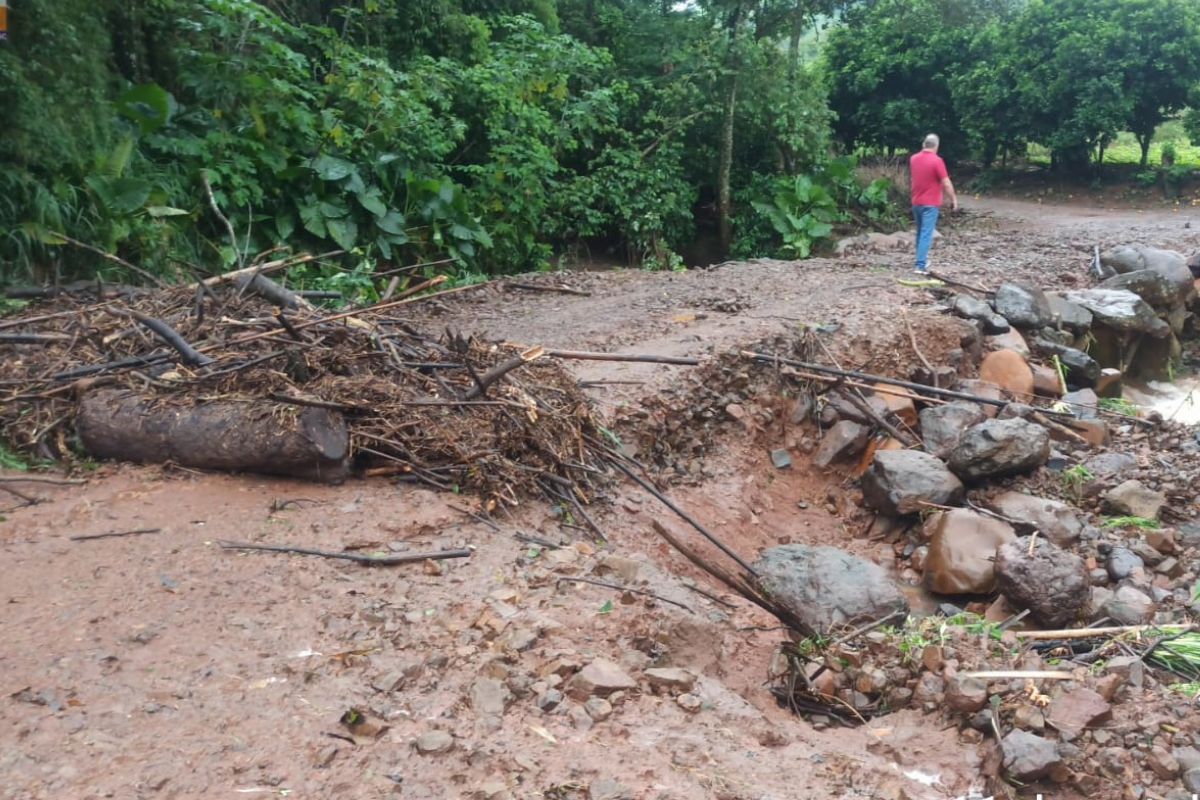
(671, 678)
(1191, 780)
(967, 695)
(489, 697)
(1123, 562)
(1130, 668)
(434, 743)
(600, 678)
(842, 442)
(1029, 718)
(1162, 763)
(1133, 499)
(1130, 607)
(598, 709)
(549, 700)
(1028, 757)
(782, 459)
(933, 658)
(688, 702)
(609, 789)
(1074, 711)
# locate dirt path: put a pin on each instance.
(160, 665)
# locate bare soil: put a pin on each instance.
(160, 665)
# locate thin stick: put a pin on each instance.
(1089, 633)
(263, 269)
(474, 516)
(33, 338)
(643, 359)
(170, 336)
(93, 536)
(41, 479)
(912, 337)
(500, 370)
(686, 517)
(854, 634)
(115, 259)
(953, 282)
(212, 203)
(375, 561)
(534, 287)
(629, 589)
(709, 595)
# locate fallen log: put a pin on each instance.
(229, 435)
(269, 290)
(191, 356)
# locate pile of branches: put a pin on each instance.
(452, 412)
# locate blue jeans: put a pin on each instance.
(926, 217)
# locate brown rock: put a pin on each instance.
(842, 442)
(671, 678)
(1008, 370)
(1108, 684)
(1029, 718)
(1109, 384)
(599, 678)
(434, 743)
(1161, 540)
(1010, 340)
(1072, 712)
(902, 407)
(961, 548)
(967, 695)
(1046, 382)
(1162, 763)
(933, 658)
(1094, 431)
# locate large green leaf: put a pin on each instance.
(312, 220)
(165, 211)
(344, 232)
(392, 222)
(331, 168)
(333, 210)
(285, 224)
(372, 200)
(120, 195)
(148, 105)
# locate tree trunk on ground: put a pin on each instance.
(230, 435)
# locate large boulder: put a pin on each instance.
(1023, 306)
(1000, 447)
(1134, 499)
(908, 481)
(1056, 521)
(973, 308)
(1070, 316)
(1049, 581)
(827, 588)
(942, 426)
(1121, 310)
(962, 548)
(1170, 265)
(1153, 287)
(1008, 370)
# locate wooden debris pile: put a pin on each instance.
(450, 411)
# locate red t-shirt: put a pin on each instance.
(928, 171)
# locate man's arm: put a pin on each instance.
(949, 188)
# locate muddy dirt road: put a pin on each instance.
(160, 665)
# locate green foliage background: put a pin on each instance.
(501, 135)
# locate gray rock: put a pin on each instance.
(671, 678)
(1028, 757)
(1157, 290)
(1083, 371)
(1191, 781)
(1084, 403)
(1050, 582)
(974, 308)
(1071, 316)
(1023, 306)
(1130, 607)
(847, 410)
(1107, 464)
(1168, 264)
(967, 695)
(1133, 499)
(1054, 520)
(781, 458)
(1123, 562)
(490, 697)
(942, 426)
(827, 588)
(549, 700)
(1132, 669)
(1000, 447)
(609, 789)
(1121, 310)
(843, 441)
(904, 481)
(1188, 757)
(598, 708)
(434, 743)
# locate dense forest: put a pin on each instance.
(488, 136)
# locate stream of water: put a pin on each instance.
(1178, 400)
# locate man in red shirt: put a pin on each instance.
(929, 177)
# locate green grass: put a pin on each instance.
(1132, 522)
(1119, 405)
(1187, 689)
(1181, 654)
(10, 459)
(1125, 150)
(1073, 480)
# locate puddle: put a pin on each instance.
(1178, 401)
